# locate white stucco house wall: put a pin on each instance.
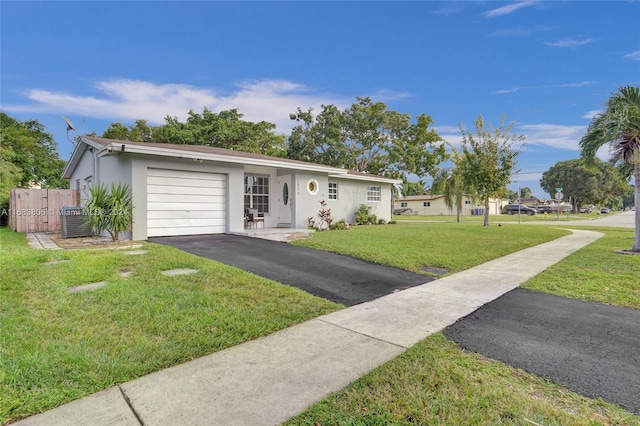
(434, 205)
(193, 189)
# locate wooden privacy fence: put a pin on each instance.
(38, 210)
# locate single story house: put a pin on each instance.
(194, 189)
(434, 205)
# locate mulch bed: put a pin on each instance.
(95, 242)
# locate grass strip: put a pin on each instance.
(596, 273)
(412, 246)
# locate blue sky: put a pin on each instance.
(548, 66)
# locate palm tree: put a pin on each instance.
(619, 126)
(449, 183)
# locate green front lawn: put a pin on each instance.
(412, 246)
(435, 382)
(596, 273)
(56, 347)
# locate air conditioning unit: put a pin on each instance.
(72, 220)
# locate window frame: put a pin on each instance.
(257, 193)
(332, 191)
(374, 194)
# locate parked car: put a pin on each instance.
(605, 210)
(511, 209)
(586, 209)
(543, 209)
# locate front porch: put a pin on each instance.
(276, 234)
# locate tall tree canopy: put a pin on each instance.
(413, 188)
(367, 137)
(597, 184)
(28, 157)
(225, 129)
(489, 160)
(138, 132)
(619, 127)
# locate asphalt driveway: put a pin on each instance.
(341, 279)
(591, 348)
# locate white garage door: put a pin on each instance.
(185, 203)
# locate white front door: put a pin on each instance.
(284, 200)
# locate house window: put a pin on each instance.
(467, 201)
(333, 190)
(404, 205)
(256, 193)
(426, 204)
(312, 186)
(373, 193)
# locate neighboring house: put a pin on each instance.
(434, 205)
(194, 189)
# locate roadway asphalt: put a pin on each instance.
(591, 348)
(341, 279)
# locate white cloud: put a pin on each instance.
(510, 8)
(590, 115)
(506, 91)
(634, 56)
(578, 84)
(128, 100)
(569, 42)
(552, 135)
(553, 86)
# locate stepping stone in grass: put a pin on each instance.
(133, 252)
(182, 271)
(87, 287)
(125, 274)
(54, 262)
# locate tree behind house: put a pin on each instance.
(367, 137)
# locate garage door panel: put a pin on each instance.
(155, 206)
(170, 181)
(185, 203)
(171, 232)
(185, 190)
(183, 214)
(184, 223)
(185, 198)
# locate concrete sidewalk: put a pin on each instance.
(271, 379)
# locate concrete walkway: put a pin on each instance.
(40, 241)
(271, 379)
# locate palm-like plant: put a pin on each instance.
(109, 209)
(619, 126)
(450, 184)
